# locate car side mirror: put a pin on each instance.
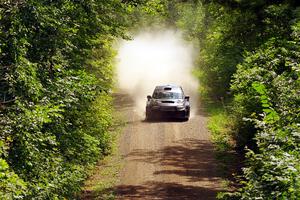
(187, 98)
(149, 97)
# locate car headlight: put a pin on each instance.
(180, 101)
(180, 107)
(154, 103)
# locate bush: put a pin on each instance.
(269, 80)
(56, 75)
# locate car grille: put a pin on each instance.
(168, 108)
(167, 101)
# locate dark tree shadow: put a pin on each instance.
(104, 194)
(166, 191)
(191, 158)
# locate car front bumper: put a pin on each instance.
(169, 111)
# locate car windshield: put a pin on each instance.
(167, 95)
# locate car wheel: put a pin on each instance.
(187, 116)
(186, 119)
(148, 116)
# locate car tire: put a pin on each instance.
(148, 116)
(187, 116)
(186, 119)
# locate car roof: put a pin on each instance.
(169, 87)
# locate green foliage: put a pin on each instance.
(249, 50)
(268, 80)
(224, 31)
(12, 187)
(220, 33)
(219, 125)
(148, 15)
(55, 107)
(56, 75)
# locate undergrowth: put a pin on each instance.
(220, 124)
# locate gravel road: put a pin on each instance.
(166, 159)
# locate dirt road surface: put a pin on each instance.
(166, 159)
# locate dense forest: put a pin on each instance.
(250, 60)
(57, 77)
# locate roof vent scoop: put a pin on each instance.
(167, 88)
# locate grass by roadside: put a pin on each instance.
(102, 179)
(221, 127)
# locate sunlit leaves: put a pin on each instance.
(271, 115)
(252, 47)
(12, 187)
(56, 73)
(269, 77)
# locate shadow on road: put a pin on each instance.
(191, 159)
(166, 191)
(185, 159)
(156, 121)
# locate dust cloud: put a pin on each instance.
(154, 58)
